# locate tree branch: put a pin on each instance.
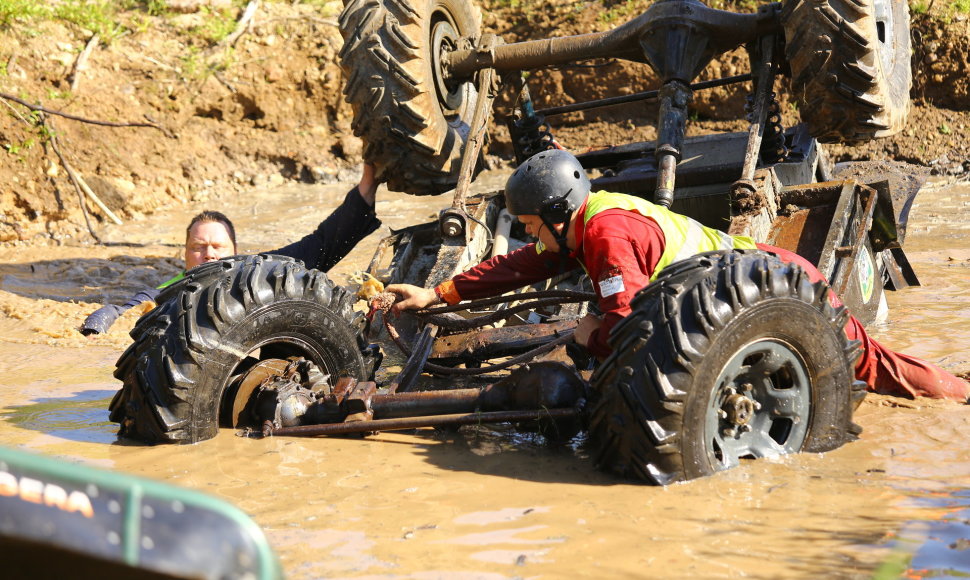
(82, 61)
(43, 109)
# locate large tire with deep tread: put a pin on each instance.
(850, 66)
(205, 329)
(413, 124)
(663, 408)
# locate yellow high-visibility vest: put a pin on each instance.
(684, 236)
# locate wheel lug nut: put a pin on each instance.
(745, 428)
(747, 387)
(730, 432)
(722, 414)
(757, 405)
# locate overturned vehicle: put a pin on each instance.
(726, 356)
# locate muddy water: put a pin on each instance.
(493, 504)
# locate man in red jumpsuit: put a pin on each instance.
(623, 242)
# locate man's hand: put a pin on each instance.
(586, 327)
(412, 297)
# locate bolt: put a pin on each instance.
(757, 405)
(745, 428)
(452, 227)
(722, 414)
(730, 432)
(747, 387)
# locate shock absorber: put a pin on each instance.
(529, 131)
(773, 148)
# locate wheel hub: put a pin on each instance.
(761, 404)
(444, 38)
(739, 409)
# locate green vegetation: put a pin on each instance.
(736, 6)
(98, 17)
(112, 18)
(216, 25)
(944, 11)
(12, 11)
(619, 12)
(39, 133)
(944, 129)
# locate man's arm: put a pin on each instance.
(337, 235)
(492, 277)
(504, 273)
(99, 321)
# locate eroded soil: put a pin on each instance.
(268, 109)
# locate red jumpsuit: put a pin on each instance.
(620, 250)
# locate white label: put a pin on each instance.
(611, 286)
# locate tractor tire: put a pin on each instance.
(206, 330)
(850, 66)
(727, 355)
(413, 123)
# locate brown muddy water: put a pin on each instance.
(493, 504)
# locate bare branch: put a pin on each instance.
(77, 186)
(82, 61)
(244, 21)
(43, 109)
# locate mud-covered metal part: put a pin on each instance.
(420, 351)
(295, 380)
(678, 46)
(454, 221)
(635, 97)
(831, 225)
(457, 419)
(491, 343)
(773, 148)
(528, 130)
(674, 98)
(707, 27)
(544, 388)
(763, 66)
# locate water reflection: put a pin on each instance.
(82, 417)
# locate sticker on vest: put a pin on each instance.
(611, 286)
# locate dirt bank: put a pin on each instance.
(265, 106)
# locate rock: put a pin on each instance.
(276, 180)
(123, 185)
(110, 195)
(273, 73)
(352, 147)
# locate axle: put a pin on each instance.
(285, 402)
(683, 26)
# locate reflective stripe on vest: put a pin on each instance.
(683, 236)
(171, 281)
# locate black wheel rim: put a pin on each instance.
(760, 405)
(444, 38)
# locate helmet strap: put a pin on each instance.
(560, 239)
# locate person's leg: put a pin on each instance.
(885, 371)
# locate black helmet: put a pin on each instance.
(551, 184)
